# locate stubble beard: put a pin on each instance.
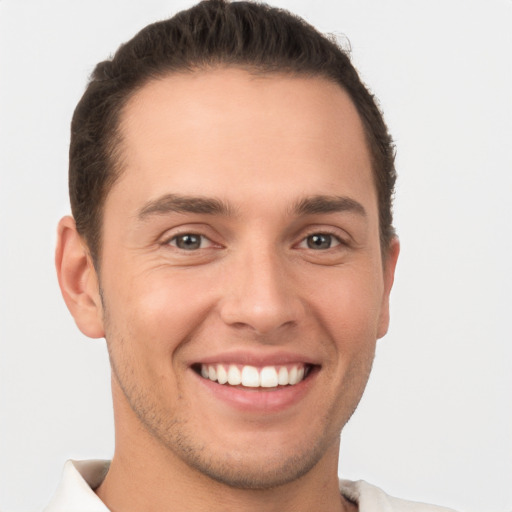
(239, 470)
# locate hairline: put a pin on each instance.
(115, 141)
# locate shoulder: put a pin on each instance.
(371, 499)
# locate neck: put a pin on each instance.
(144, 475)
(134, 485)
(139, 486)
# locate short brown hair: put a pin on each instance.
(213, 33)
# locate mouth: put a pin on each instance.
(253, 377)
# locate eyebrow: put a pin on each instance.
(184, 204)
(314, 205)
(317, 205)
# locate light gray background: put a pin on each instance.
(435, 423)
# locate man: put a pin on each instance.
(231, 182)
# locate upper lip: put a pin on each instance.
(256, 359)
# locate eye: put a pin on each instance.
(190, 241)
(320, 241)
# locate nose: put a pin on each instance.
(259, 294)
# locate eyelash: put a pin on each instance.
(338, 241)
(176, 237)
(332, 239)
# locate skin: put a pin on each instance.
(256, 286)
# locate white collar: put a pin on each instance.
(75, 492)
(79, 479)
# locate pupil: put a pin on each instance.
(319, 241)
(188, 242)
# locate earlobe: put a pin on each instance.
(390, 260)
(78, 279)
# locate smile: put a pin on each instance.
(255, 377)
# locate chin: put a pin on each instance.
(251, 470)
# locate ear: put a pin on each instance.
(390, 258)
(78, 280)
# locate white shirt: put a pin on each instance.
(75, 492)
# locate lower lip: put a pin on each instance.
(259, 399)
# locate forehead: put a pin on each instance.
(201, 131)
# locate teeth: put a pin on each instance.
(282, 376)
(268, 377)
(252, 377)
(222, 374)
(234, 377)
(293, 376)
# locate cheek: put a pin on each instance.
(349, 304)
(155, 311)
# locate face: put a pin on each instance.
(243, 284)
